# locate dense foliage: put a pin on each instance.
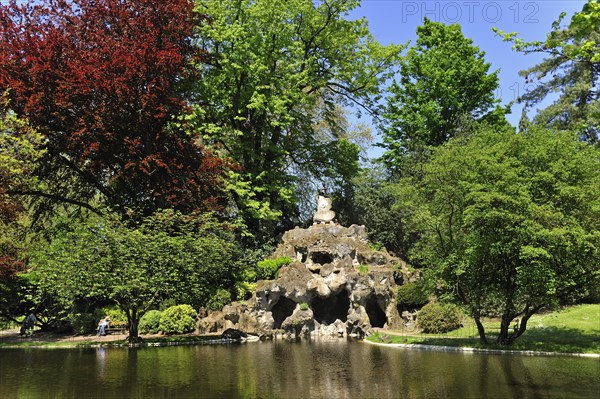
(219, 299)
(271, 90)
(178, 319)
(11, 288)
(83, 323)
(372, 200)
(444, 84)
(150, 322)
(507, 222)
(411, 294)
(169, 256)
(20, 150)
(439, 318)
(571, 68)
(101, 80)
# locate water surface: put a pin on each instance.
(337, 369)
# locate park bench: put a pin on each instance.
(117, 327)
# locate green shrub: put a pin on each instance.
(376, 246)
(178, 319)
(363, 269)
(411, 294)
(150, 322)
(219, 300)
(593, 291)
(83, 323)
(439, 318)
(304, 306)
(244, 289)
(267, 269)
(7, 324)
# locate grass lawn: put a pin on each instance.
(574, 329)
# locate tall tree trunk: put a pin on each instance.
(503, 338)
(480, 328)
(133, 322)
(521, 326)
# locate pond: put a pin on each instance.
(317, 369)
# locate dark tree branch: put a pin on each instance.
(55, 197)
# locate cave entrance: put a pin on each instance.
(377, 316)
(301, 254)
(327, 310)
(282, 310)
(321, 258)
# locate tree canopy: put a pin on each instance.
(572, 68)
(276, 70)
(169, 256)
(102, 81)
(21, 147)
(507, 222)
(443, 84)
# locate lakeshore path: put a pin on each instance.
(12, 336)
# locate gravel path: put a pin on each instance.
(10, 336)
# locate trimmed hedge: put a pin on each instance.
(178, 319)
(411, 294)
(150, 322)
(439, 318)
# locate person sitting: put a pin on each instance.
(103, 325)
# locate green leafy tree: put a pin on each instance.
(372, 199)
(169, 256)
(10, 288)
(20, 150)
(571, 68)
(279, 70)
(508, 223)
(444, 85)
(22, 293)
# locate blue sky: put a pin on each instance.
(396, 21)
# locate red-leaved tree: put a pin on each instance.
(103, 80)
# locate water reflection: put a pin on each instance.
(335, 369)
(101, 360)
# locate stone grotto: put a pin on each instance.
(337, 284)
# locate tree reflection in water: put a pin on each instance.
(318, 369)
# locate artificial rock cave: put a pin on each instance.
(336, 284)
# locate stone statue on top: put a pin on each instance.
(324, 214)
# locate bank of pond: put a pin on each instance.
(330, 368)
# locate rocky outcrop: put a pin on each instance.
(337, 284)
